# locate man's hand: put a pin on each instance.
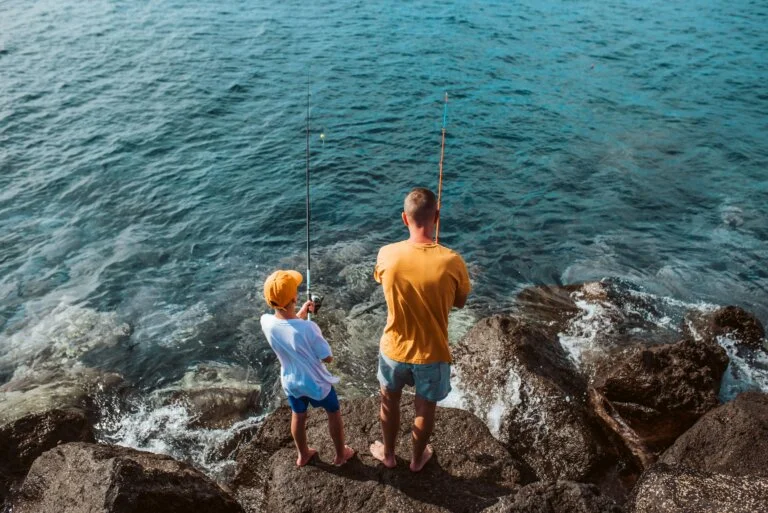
(308, 307)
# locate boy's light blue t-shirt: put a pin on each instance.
(300, 346)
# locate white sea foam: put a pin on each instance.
(747, 370)
(166, 430)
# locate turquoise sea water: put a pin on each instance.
(152, 161)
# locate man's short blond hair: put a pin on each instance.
(420, 206)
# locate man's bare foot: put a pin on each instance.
(348, 453)
(377, 451)
(300, 462)
(425, 456)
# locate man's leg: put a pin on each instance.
(389, 415)
(299, 432)
(423, 424)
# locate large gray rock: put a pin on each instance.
(666, 489)
(24, 439)
(81, 477)
(556, 497)
(515, 376)
(731, 439)
(469, 472)
(661, 391)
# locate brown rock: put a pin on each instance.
(727, 321)
(731, 439)
(665, 489)
(517, 378)
(23, 440)
(470, 469)
(659, 392)
(80, 477)
(556, 497)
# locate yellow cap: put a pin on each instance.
(281, 288)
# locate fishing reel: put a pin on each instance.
(317, 300)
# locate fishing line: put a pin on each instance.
(440, 181)
(318, 300)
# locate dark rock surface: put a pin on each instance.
(469, 472)
(81, 477)
(23, 440)
(731, 439)
(519, 380)
(666, 489)
(727, 321)
(660, 391)
(556, 497)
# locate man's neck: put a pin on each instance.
(420, 235)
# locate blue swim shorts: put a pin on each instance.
(432, 380)
(300, 404)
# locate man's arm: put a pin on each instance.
(463, 286)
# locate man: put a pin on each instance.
(422, 280)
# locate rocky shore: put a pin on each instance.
(540, 426)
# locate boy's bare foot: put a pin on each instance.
(300, 462)
(425, 456)
(377, 451)
(348, 453)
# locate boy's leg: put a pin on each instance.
(423, 424)
(299, 432)
(335, 426)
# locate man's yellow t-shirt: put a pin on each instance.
(421, 284)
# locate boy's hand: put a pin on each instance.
(308, 307)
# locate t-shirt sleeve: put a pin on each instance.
(320, 346)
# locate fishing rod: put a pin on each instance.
(318, 300)
(440, 181)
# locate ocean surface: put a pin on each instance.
(152, 160)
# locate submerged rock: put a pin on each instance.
(516, 377)
(469, 472)
(666, 489)
(556, 497)
(216, 395)
(24, 439)
(45, 390)
(731, 439)
(659, 392)
(81, 477)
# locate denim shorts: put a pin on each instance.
(300, 404)
(431, 380)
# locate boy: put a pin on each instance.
(301, 349)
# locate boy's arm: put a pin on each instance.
(320, 346)
(327, 359)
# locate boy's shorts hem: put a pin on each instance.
(431, 380)
(329, 403)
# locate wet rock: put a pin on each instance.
(556, 497)
(659, 392)
(80, 477)
(730, 321)
(24, 439)
(517, 378)
(215, 394)
(469, 472)
(731, 439)
(666, 489)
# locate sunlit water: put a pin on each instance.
(152, 167)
